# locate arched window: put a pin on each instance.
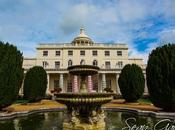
(82, 62)
(70, 63)
(95, 62)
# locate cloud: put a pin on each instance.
(169, 8)
(167, 36)
(86, 15)
(28, 22)
(131, 11)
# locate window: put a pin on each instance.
(95, 62)
(57, 53)
(82, 62)
(94, 53)
(108, 83)
(69, 63)
(120, 64)
(107, 53)
(69, 86)
(57, 64)
(45, 53)
(82, 53)
(70, 53)
(107, 65)
(56, 83)
(119, 53)
(45, 64)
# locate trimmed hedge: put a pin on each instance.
(160, 74)
(35, 84)
(11, 73)
(131, 82)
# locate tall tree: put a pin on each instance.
(160, 74)
(11, 73)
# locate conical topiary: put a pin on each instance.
(35, 84)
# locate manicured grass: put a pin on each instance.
(143, 104)
(145, 100)
(44, 104)
(20, 101)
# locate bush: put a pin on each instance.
(131, 82)
(56, 90)
(160, 74)
(35, 84)
(108, 90)
(11, 73)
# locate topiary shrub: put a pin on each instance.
(160, 74)
(11, 73)
(35, 84)
(131, 82)
(108, 90)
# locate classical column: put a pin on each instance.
(117, 85)
(103, 81)
(146, 88)
(61, 84)
(48, 82)
(99, 83)
(75, 84)
(90, 85)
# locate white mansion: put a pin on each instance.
(55, 58)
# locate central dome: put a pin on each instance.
(82, 39)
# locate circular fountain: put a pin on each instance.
(83, 104)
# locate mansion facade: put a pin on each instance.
(56, 58)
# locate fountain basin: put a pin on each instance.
(84, 98)
(84, 110)
(83, 70)
(84, 103)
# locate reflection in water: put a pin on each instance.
(41, 121)
(119, 120)
(54, 121)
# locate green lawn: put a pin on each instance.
(20, 101)
(145, 100)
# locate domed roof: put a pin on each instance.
(82, 39)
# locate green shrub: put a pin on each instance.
(131, 82)
(11, 73)
(160, 74)
(108, 90)
(35, 84)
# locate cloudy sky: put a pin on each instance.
(142, 24)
